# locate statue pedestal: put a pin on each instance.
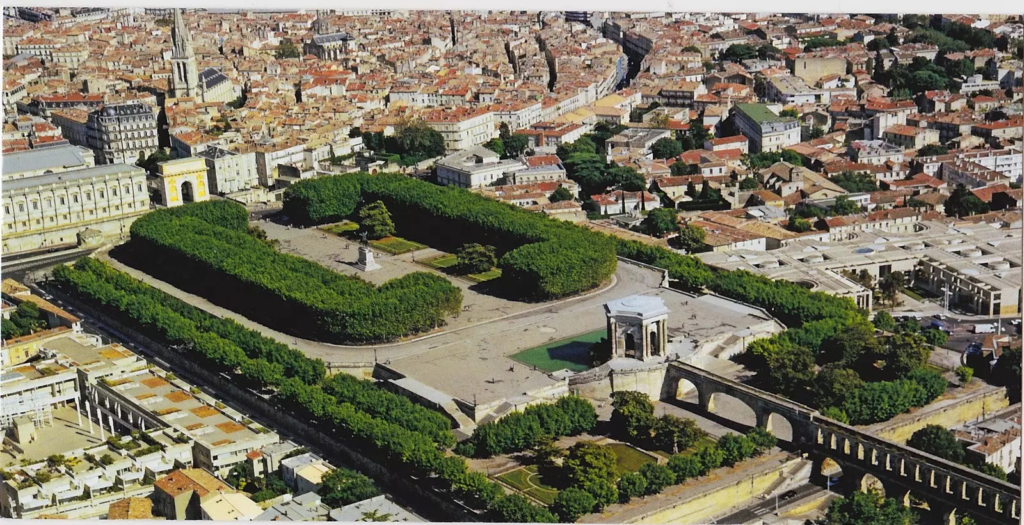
(366, 262)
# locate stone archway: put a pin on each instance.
(655, 350)
(187, 192)
(779, 426)
(730, 407)
(630, 345)
(831, 473)
(868, 483)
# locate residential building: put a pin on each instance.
(229, 171)
(305, 507)
(765, 130)
(910, 137)
(995, 441)
(180, 494)
(122, 134)
(475, 167)
(233, 506)
(378, 506)
(616, 202)
(462, 127)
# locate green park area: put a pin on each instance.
(396, 245)
(448, 263)
(341, 229)
(572, 353)
(628, 458)
(528, 481)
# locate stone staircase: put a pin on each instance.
(799, 475)
(725, 346)
(466, 425)
(498, 413)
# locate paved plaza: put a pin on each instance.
(62, 437)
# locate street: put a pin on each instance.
(770, 505)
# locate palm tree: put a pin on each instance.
(375, 515)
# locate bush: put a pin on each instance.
(232, 268)
(762, 439)
(572, 503)
(540, 258)
(631, 485)
(514, 508)
(964, 374)
(658, 477)
(735, 449)
(685, 467)
(475, 258)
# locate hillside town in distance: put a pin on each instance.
(524, 267)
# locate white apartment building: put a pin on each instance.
(463, 128)
(229, 171)
(475, 168)
(765, 130)
(121, 134)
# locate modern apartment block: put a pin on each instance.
(765, 130)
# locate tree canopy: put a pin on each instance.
(963, 203)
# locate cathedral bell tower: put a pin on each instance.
(184, 72)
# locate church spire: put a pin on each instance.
(322, 23)
(180, 38)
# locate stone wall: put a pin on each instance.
(968, 408)
(408, 491)
(702, 507)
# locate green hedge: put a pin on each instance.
(368, 397)
(206, 248)
(384, 438)
(518, 431)
(540, 258)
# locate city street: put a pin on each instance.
(769, 506)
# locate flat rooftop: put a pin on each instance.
(62, 157)
(180, 408)
(978, 252)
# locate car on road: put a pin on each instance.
(788, 495)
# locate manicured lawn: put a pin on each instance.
(572, 353)
(627, 458)
(527, 480)
(486, 276)
(396, 245)
(912, 294)
(442, 262)
(341, 228)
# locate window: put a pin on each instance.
(113, 191)
(88, 195)
(139, 186)
(21, 206)
(63, 201)
(74, 198)
(127, 189)
(35, 205)
(49, 203)
(7, 210)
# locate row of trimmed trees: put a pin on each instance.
(207, 248)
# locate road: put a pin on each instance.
(769, 506)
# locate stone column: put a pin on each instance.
(645, 342)
(112, 427)
(704, 399)
(663, 336)
(88, 416)
(764, 419)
